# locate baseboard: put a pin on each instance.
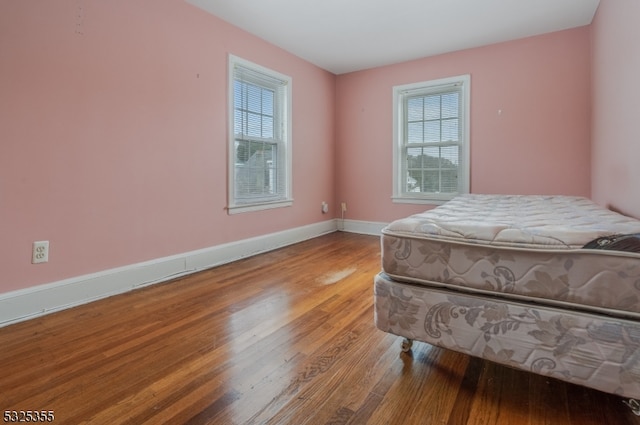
(364, 227)
(24, 304)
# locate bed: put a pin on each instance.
(547, 284)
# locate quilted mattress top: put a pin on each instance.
(552, 222)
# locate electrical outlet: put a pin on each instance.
(40, 253)
(344, 207)
(325, 207)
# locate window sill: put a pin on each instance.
(420, 201)
(242, 208)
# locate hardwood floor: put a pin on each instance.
(285, 337)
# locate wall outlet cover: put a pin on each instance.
(40, 252)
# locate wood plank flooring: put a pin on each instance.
(285, 337)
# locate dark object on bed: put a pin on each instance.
(626, 243)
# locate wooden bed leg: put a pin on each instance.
(406, 345)
(634, 405)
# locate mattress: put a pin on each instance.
(584, 348)
(528, 248)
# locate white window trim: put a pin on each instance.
(234, 207)
(463, 173)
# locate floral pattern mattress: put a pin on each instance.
(522, 281)
(588, 349)
(524, 248)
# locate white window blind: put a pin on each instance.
(260, 145)
(430, 155)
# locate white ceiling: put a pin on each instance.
(349, 35)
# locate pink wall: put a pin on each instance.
(113, 140)
(616, 106)
(540, 144)
(113, 143)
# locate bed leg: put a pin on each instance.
(634, 405)
(406, 345)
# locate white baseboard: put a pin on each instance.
(20, 305)
(364, 227)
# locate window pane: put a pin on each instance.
(413, 154)
(431, 157)
(412, 184)
(430, 182)
(267, 102)
(450, 105)
(254, 125)
(432, 131)
(254, 98)
(450, 130)
(415, 132)
(267, 127)
(242, 151)
(432, 107)
(449, 181)
(237, 124)
(449, 156)
(414, 158)
(237, 94)
(414, 169)
(415, 109)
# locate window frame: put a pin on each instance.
(282, 119)
(461, 83)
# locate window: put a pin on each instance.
(431, 140)
(259, 137)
